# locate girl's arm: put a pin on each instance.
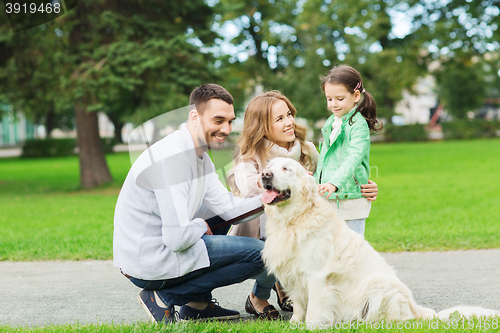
(326, 189)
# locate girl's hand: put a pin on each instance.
(326, 188)
(370, 190)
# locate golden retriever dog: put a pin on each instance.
(331, 273)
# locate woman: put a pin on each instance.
(270, 131)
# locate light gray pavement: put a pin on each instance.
(10, 152)
(60, 292)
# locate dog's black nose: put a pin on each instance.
(267, 177)
(267, 174)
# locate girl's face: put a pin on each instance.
(282, 124)
(339, 100)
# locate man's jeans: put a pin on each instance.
(232, 260)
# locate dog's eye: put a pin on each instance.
(285, 169)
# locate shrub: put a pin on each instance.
(470, 129)
(48, 147)
(58, 147)
(416, 132)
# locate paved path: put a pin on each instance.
(10, 152)
(44, 293)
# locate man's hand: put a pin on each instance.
(209, 231)
(370, 190)
(326, 188)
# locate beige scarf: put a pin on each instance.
(277, 151)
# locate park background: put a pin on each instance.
(433, 68)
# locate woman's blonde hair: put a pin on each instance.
(257, 126)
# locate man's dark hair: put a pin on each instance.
(204, 93)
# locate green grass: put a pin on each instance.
(44, 214)
(433, 196)
(473, 325)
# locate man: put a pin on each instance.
(160, 242)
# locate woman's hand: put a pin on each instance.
(370, 190)
(326, 188)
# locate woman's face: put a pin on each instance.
(282, 124)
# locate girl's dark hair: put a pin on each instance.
(351, 79)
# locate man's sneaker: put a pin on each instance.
(156, 312)
(212, 311)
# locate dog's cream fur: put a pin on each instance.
(331, 273)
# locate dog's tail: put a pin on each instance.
(466, 311)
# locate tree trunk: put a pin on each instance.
(118, 124)
(118, 132)
(94, 170)
(50, 122)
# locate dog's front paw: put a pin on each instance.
(296, 319)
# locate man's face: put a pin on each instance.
(216, 123)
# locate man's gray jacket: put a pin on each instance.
(156, 233)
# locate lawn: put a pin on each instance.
(413, 326)
(433, 196)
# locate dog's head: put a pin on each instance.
(286, 181)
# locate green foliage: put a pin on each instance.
(48, 147)
(58, 147)
(289, 44)
(138, 63)
(133, 60)
(294, 43)
(470, 129)
(416, 132)
(461, 86)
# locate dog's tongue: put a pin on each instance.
(268, 196)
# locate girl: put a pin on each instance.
(344, 155)
(270, 131)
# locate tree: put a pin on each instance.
(288, 45)
(462, 37)
(306, 38)
(461, 86)
(26, 80)
(259, 43)
(132, 59)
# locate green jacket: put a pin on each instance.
(345, 163)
